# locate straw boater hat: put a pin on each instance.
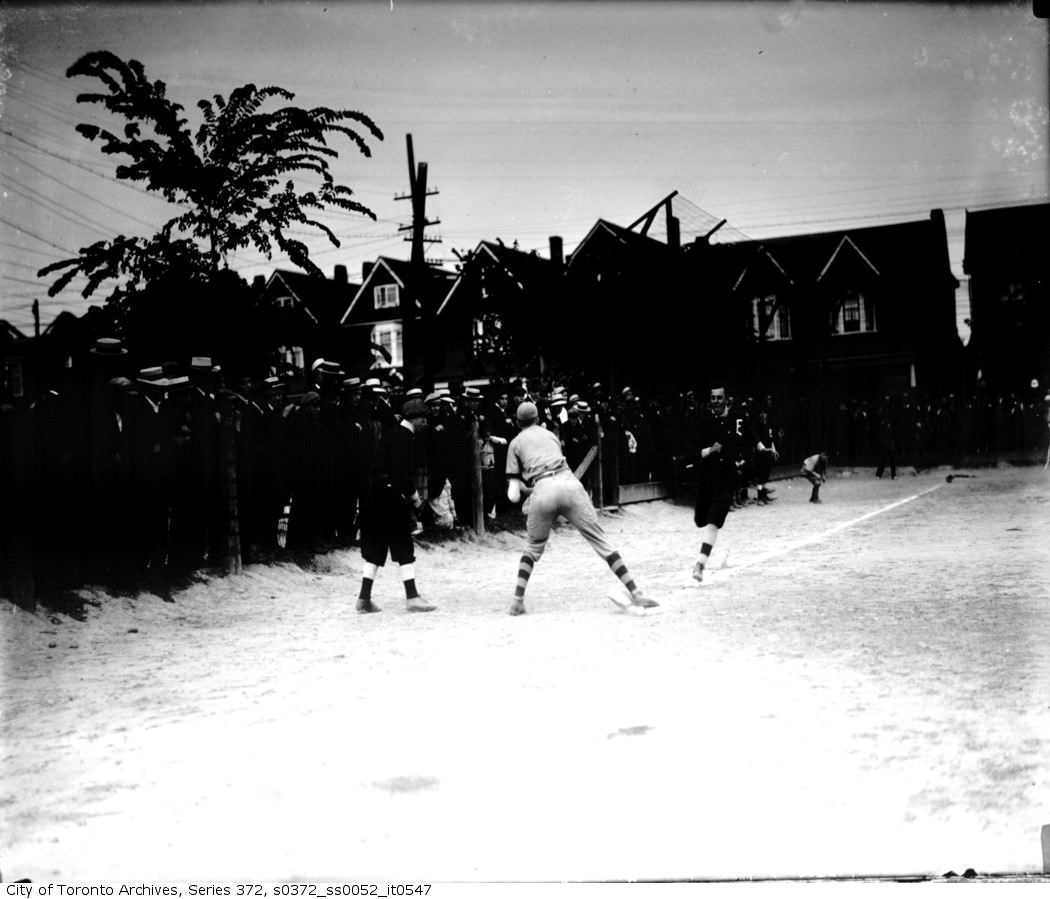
(108, 346)
(331, 369)
(154, 377)
(352, 383)
(414, 393)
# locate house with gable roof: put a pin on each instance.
(497, 314)
(853, 314)
(14, 371)
(630, 310)
(372, 326)
(303, 312)
(1006, 261)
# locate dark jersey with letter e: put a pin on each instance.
(718, 470)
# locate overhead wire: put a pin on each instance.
(82, 193)
(35, 236)
(63, 212)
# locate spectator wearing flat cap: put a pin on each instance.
(387, 519)
(461, 457)
(440, 443)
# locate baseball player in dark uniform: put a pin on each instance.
(536, 466)
(387, 521)
(722, 444)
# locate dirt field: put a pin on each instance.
(859, 688)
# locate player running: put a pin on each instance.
(536, 467)
(722, 444)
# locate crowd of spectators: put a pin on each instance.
(139, 478)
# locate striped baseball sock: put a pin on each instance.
(524, 573)
(619, 568)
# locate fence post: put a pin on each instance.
(228, 464)
(18, 526)
(599, 495)
(476, 484)
(614, 467)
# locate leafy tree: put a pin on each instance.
(235, 177)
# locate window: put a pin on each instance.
(388, 336)
(489, 337)
(284, 302)
(775, 318)
(13, 377)
(855, 314)
(293, 356)
(387, 296)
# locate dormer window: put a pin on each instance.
(770, 320)
(855, 314)
(386, 296)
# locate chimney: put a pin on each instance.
(940, 230)
(339, 275)
(557, 251)
(259, 282)
(674, 234)
(366, 270)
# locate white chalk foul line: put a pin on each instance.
(720, 574)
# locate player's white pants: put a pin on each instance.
(563, 494)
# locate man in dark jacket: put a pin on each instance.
(386, 519)
(721, 455)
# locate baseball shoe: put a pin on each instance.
(517, 607)
(816, 499)
(643, 602)
(364, 606)
(624, 600)
(698, 572)
(418, 604)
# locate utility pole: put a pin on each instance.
(418, 355)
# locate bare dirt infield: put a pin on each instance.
(844, 697)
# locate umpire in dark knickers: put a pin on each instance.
(387, 521)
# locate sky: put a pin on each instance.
(537, 119)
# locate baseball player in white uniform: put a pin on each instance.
(536, 466)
